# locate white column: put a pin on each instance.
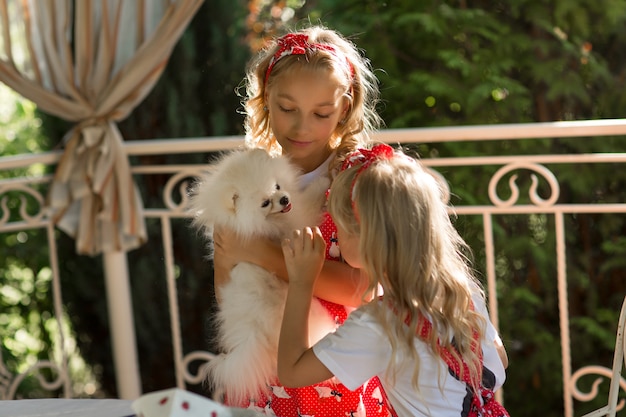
(122, 324)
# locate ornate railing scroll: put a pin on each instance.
(532, 192)
(614, 375)
(603, 373)
(24, 192)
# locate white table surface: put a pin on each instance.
(66, 408)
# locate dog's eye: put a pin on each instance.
(277, 187)
(265, 203)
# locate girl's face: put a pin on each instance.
(304, 109)
(349, 246)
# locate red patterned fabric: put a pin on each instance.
(484, 403)
(330, 399)
(365, 157)
(294, 44)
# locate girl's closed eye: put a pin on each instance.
(322, 116)
(286, 110)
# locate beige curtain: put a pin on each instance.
(91, 62)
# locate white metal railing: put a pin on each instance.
(118, 293)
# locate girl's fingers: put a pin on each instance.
(287, 247)
(296, 241)
(306, 239)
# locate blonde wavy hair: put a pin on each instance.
(409, 246)
(346, 65)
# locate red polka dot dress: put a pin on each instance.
(328, 399)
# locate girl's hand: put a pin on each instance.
(230, 249)
(338, 282)
(227, 248)
(304, 255)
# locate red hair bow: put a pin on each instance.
(294, 44)
(365, 157)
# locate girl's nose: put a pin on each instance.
(301, 124)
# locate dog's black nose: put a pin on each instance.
(284, 200)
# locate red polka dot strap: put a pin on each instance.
(484, 403)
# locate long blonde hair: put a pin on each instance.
(409, 246)
(345, 65)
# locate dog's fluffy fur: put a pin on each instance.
(254, 194)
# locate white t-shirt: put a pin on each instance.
(322, 170)
(360, 349)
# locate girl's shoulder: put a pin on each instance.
(363, 320)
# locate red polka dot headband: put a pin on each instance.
(365, 157)
(298, 44)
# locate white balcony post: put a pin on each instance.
(122, 325)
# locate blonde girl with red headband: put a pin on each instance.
(310, 95)
(427, 336)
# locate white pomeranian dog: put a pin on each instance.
(254, 194)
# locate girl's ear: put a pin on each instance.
(346, 107)
(344, 114)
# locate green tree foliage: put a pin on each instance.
(484, 61)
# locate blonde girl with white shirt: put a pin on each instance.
(427, 336)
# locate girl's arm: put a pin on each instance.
(501, 352)
(297, 364)
(338, 282)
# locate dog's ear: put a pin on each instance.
(229, 199)
(234, 201)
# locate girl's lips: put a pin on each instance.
(298, 143)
